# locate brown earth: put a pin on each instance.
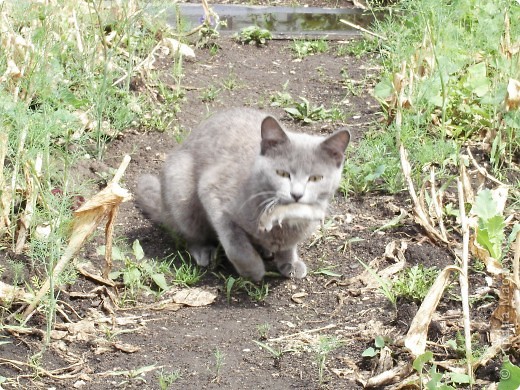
(186, 339)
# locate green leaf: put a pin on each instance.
(327, 272)
(117, 254)
(485, 206)
(514, 232)
(131, 276)
(160, 281)
(293, 111)
(421, 360)
(383, 89)
(435, 381)
(230, 282)
(491, 235)
(457, 377)
(379, 342)
(114, 275)
(380, 169)
(369, 352)
(452, 344)
(509, 376)
(138, 250)
(477, 81)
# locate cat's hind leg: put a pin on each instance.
(289, 264)
(148, 197)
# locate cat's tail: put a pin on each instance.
(149, 197)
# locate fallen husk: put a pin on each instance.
(102, 205)
(415, 339)
(394, 375)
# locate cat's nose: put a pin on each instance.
(296, 196)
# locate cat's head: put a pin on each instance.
(299, 167)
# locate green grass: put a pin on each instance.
(209, 94)
(302, 48)
(414, 283)
(74, 76)
(167, 379)
(255, 292)
(357, 48)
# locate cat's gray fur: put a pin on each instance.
(240, 179)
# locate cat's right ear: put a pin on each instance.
(272, 135)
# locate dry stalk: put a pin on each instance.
(86, 219)
(55, 374)
(109, 229)
(32, 174)
(463, 278)
(3, 154)
(77, 34)
(358, 27)
(436, 205)
(516, 280)
(420, 214)
(482, 170)
(5, 222)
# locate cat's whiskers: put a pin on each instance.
(258, 194)
(267, 205)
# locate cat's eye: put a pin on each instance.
(282, 173)
(315, 178)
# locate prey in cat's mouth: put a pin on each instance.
(242, 180)
(290, 214)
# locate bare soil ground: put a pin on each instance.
(131, 345)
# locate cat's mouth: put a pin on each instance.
(287, 201)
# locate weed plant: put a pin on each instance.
(253, 35)
(303, 48)
(414, 283)
(464, 61)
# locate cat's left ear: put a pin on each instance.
(272, 135)
(336, 144)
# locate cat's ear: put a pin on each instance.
(336, 144)
(272, 135)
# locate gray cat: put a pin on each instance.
(241, 179)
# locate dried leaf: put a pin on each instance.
(177, 47)
(394, 375)
(505, 314)
(167, 305)
(493, 266)
(128, 348)
(298, 297)
(195, 297)
(10, 294)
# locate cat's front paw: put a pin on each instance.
(255, 271)
(296, 269)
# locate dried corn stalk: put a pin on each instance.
(101, 206)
